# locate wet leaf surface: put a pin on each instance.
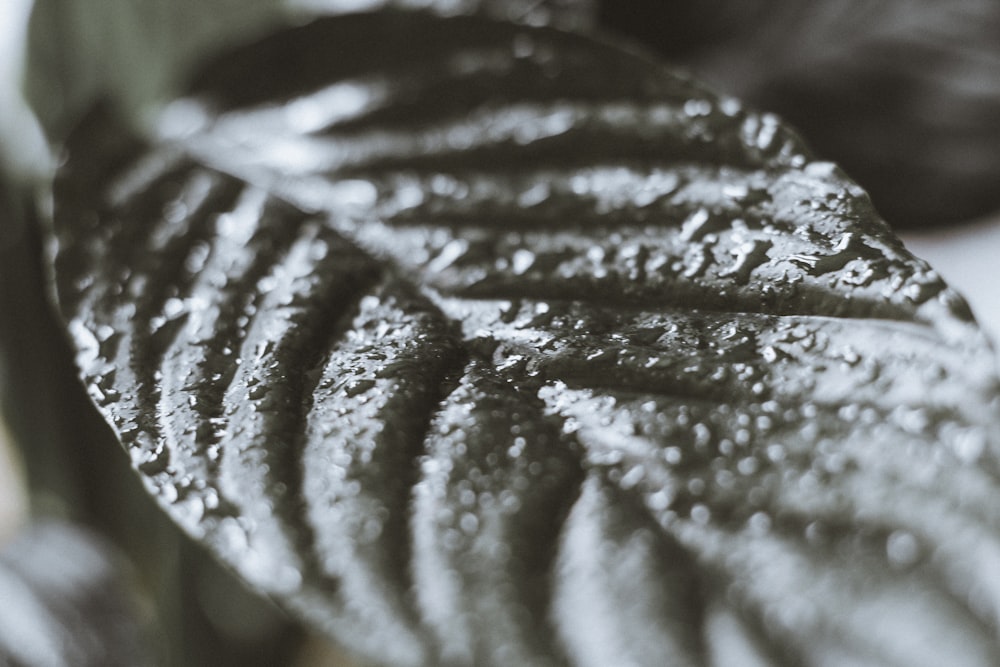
(504, 346)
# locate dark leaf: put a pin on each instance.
(904, 95)
(136, 53)
(74, 468)
(63, 601)
(478, 344)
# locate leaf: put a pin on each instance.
(904, 95)
(65, 602)
(497, 345)
(74, 469)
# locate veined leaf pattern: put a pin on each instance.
(482, 344)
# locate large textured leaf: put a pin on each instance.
(478, 344)
(904, 95)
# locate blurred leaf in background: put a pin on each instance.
(13, 500)
(23, 151)
(138, 51)
(903, 94)
(65, 602)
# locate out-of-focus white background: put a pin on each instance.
(968, 257)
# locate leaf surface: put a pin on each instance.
(482, 344)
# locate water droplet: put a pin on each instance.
(748, 465)
(767, 132)
(820, 169)
(814, 533)
(696, 261)
(902, 549)
(759, 523)
(534, 195)
(700, 514)
(659, 501)
(969, 445)
(696, 225)
(730, 106)
(736, 191)
(371, 530)
(467, 497)
(749, 255)
(695, 108)
(522, 260)
(211, 499)
(633, 477)
(449, 254)
(169, 492)
(469, 523)
(152, 462)
(358, 386)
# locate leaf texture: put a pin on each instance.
(482, 344)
